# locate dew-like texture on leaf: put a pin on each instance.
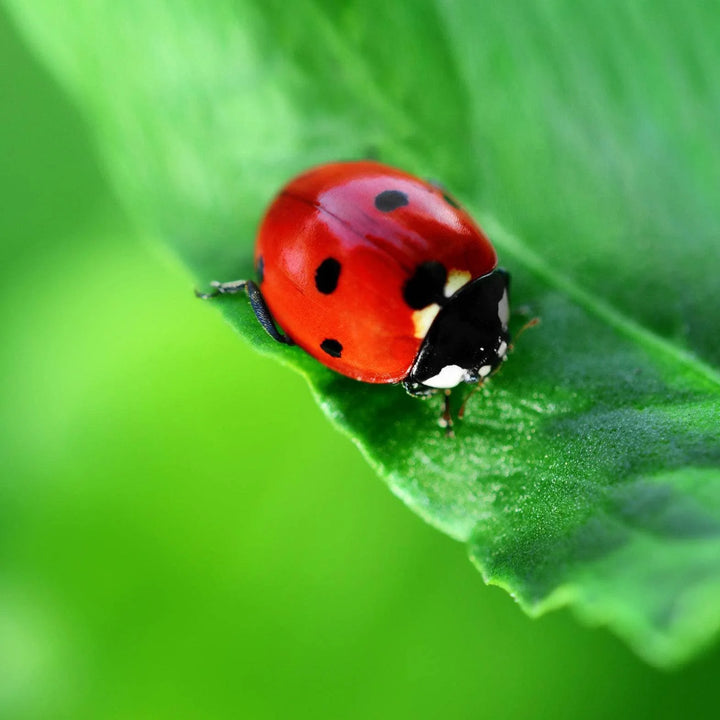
(583, 138)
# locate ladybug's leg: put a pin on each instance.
(446, 420)
(423, 391)
(262, 313)
(226, 288)
(257, 302)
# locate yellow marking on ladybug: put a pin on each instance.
(455, 280)
(423, 319)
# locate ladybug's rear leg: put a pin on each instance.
(257, 302)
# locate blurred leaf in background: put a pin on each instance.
(160, 557)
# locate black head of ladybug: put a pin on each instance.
(468, 338)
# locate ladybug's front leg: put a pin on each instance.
(446, 420)
(257, 302)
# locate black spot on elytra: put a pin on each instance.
(260, 269)
(426, 285)
(327, 275)
(332, 347)
(451, 201)
(389, 200)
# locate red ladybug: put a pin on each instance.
(380, 276)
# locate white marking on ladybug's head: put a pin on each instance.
(485, 370)
(502, 349)
(448, 377)
(423, 319)
(455, 280)
(504, 310)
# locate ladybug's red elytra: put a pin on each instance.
(380, 276)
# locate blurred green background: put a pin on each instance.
(182, 534)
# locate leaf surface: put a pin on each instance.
(583, 138)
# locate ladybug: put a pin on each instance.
(381, 276)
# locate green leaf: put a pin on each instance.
(583, 136)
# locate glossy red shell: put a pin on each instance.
(330, 212)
